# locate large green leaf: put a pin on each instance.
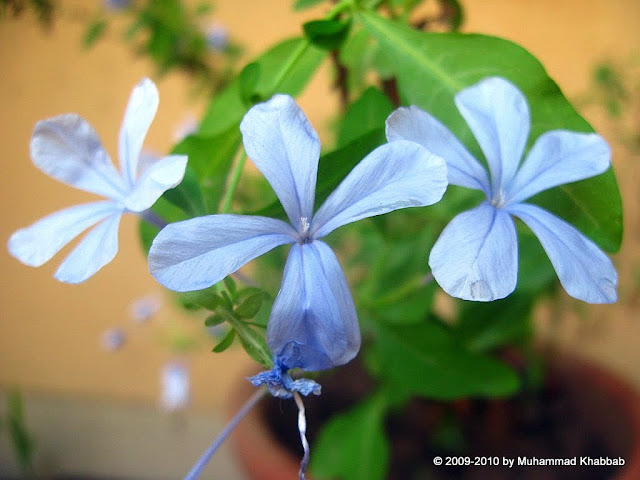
(366, 114)
(211, 157)
(352, 446)
(284, 68)
(425, 359)
(432, 67)
(485, 326)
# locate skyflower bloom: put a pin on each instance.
(68, 149)
(476, 256)
(313, 323)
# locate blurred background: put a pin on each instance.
(89, 359)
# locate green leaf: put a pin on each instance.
(432, 67)
(352, 445)
(366, 114)
(206, 298)
(535, 272)
(94, 32)
(214, 320)
(425, 359)
(22, 440)
(230, 285)
(485, 326)
(210, 158)
(250, 304)
(332, 168)
(252, 341)
(302, 4)
(248, 80)
(327, 34)
(285, 68)
(356, 54)
(187, 196)
(226, 342)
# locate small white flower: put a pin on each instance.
(113, 339)
(68, 149)
(144, 308)
(176, 386)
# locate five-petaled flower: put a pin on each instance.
(313, 323)
(68, 149)
(476, 256)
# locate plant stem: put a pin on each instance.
(233, 184)
(195, 472)
(302, 427)
(153, 218)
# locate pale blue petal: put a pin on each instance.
(142, 107)
(416, 125)
(498, 114)
(95, 250)
(559, 157)
(156, 179)
(68, 149)
(37, 244)
(313, 324)
(585, 272)
(284, 146)
(197, 253)
(476, 256)
(396, 175)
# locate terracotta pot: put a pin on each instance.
(610, 405)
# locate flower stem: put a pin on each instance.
(302, 427)
(195, 472)
(233, 184)
(153, 218)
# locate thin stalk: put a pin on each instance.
(195, 472)
(302, 427)
(153, 218)
(233, 184)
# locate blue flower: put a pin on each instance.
(313, 323)
(68, 149)
(476, 256)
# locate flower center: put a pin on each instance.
(499, 199)
(305, 236)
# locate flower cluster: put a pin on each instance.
(313, 323)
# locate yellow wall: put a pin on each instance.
(50, 332)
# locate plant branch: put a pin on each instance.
(202, 462)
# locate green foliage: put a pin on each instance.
(352, 445)
(210, 158)
(21, 438)
(485, 326)
(43, 10)
(327, 34)
(302, 4)
(95, 31)
(187, 196)
(284, 68)
(426, 359)
(430, 79)
(363, 116)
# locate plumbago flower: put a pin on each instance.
(313, 323)
(476, 256)
(68, 149)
